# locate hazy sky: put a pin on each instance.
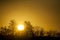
(42, 13)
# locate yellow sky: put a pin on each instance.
(41, 13)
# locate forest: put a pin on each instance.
(30, 33)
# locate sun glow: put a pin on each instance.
(20, 27)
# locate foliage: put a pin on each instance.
(29, 28)
(9, 30)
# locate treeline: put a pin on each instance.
(29, 30)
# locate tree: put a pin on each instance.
(49, 34)
(37, 30)
(42, 32)
(28, 29)
(12, 26)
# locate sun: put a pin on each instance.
(20, 27)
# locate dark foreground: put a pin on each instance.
(26, 38)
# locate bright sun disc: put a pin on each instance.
(20, 27)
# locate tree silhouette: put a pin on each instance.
(37, 31)
(12, 26)
(58, 34)
(29, 28)
(42, 32)
(49, 34)
(29, 33)
(3, 31)
(53, 33)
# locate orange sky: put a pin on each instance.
(41, 13)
